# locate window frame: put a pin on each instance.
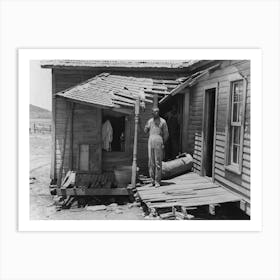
(229, 165)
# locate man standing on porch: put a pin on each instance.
(158, 135)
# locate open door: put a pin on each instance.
(172, 112)
(208, 132)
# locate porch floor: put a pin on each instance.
(187, 190)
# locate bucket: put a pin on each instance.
(123, 174)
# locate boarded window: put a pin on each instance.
(84, 157)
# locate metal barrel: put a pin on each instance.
(177, 166)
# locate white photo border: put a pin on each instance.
(24, 58)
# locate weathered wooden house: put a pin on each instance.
(212, 100)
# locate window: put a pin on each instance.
(235, 125)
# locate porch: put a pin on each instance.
(183, 193)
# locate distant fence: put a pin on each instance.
(42, 128)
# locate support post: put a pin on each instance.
(155, 100)
(53, 131)
(71, 136)
(186, 117)
(134, 162)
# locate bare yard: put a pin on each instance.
(41, 202)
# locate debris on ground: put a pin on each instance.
(134, 204)
(32, 180)
(119, 211)
(113, 205)
(96, 207)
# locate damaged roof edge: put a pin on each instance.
(120, 64)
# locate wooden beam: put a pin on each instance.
(156, 92)
(186, 118)
(68, 112)
(134, 162)
(189, 82)
(123, 103)
(53, 134)
(76, 191)
(88, 103)
(117, 97)
(71, 135)
(155, 100)
(180, 87)
(125, 111)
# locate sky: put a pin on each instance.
(40, 85)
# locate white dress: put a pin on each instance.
(107, 136)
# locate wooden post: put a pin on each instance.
(134, 162)
(186, 117)
(71, 136)
(155, 100)
(59, 179)
(53, 132)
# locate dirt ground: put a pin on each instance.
(41, 202)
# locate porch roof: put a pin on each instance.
(108, 90)
(116, 91)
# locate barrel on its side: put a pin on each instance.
(177, 166)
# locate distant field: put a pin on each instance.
(47, 121)
(39, 113)
(40, 120)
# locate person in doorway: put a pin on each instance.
(158, 135)
(174, 133)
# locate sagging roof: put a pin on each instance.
(108, 90)
(165, 64)
(115, 90)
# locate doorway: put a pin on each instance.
(208, 131)
(171, 111)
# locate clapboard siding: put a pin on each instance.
(62, 139)
(222, 76)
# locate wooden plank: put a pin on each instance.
(246, 164)
(92, 191)
(190, 186)
(220, 160)
(220, 155)
(197, 202)
(220, 149)
(220, 137)
(220, 143)
(184, 196)
(185, 189)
